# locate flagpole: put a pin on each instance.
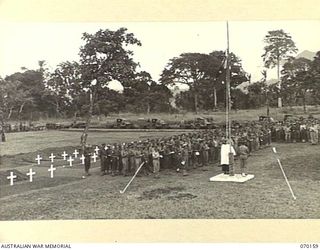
(228, 104)
(228, 97)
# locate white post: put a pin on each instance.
(122, 191)
(284, 175)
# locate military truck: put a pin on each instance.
(53, 125)
(123, 123)
(158, 123)
(142, 123)
(197, 123)
(202, 123)
(78, 124)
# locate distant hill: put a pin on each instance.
(306, 54)
(244, 86)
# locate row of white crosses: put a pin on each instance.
(70, 159)
(38, 159)
(11, 177)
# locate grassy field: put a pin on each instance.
(68, 196)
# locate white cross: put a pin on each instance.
(82, 158)
(38, 159)
(96, 150)
(51, 157)
(70, 161)
(94, 157)
(64, 155)
(51, 169)
(11, 177)
(76, 153)
(31, 174)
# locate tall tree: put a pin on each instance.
(65, 88)
(315, 68)
(145, 95)
(32, 86)
(104, 57)
(204, 74)
(237, 75)
(190, 69)
(279, 46)
(13, 98)
(298, 79)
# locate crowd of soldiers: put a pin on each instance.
(181, 152)
(300, 130)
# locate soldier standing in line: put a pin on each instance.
(125, 161)
(249, 141)
(189, 148)
(145, 159)
(314, 133)
(201, 157)
(109, 159)
(150, 158)
(131, 158)
(115, 160)
(156, 161)
(196, 154)
(303, 132)
(278, 129)
(211, 151)
(161, 152)
(185, 159)
(215, 149)
(287, 132)
(244, 153)
(102, 156)
(269, 140)
(205, 154)
(138, 158)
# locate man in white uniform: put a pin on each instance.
(225, 150)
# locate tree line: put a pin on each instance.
(80, 88)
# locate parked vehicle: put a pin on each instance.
(123, 123)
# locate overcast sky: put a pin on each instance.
(24, 44)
